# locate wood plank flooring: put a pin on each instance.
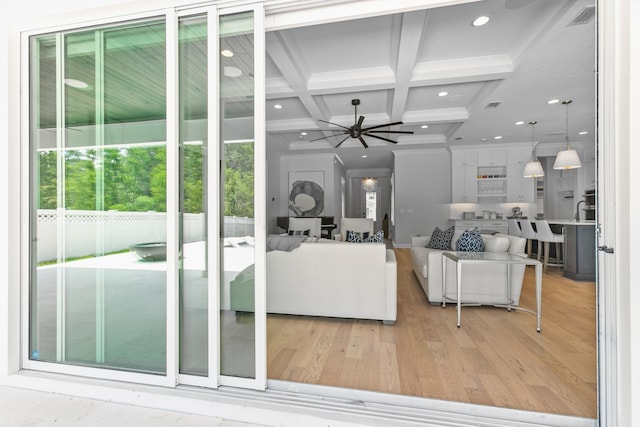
(496, 358)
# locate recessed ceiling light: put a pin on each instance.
(553, 101)
(483, 139)
(497, 137)
(364, 156)
(226, 53)
(424, 126)
(480, 20)
(78, 84)
(518, 123)
(303, 133)
(232, 71)
(277, 107)
(443, 93)
(584, 132)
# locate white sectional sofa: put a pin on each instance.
(335, 279)
(327, 278)
(482, 284)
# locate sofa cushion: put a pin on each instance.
(470, 241)
(496, 243)
(441, 239)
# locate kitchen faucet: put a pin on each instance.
(578, 209)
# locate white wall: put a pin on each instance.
(422, 192)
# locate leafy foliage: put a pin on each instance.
(134, 179)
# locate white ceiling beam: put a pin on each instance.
(442, 115)
(379, 77)
(287, 56)
(463, 70)
(291, 125)
(410, 29)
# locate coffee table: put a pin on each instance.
(466, 258)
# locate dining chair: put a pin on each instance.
(528, 233)
(514, 228)
(546, 236)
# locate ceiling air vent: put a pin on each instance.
(495, 104)
(585, 16)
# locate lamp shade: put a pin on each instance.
(567, 159)
(533, 169)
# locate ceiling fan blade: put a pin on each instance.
(360, 120)
(380, 137)
(340, 143)
(328, 136)
(363, 141)
(335, 124)
(381, 126)
(390, 131)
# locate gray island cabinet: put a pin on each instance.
(579, 249)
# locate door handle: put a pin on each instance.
(605, 249)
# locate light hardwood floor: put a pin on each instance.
(496, 358)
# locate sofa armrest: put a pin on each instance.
(391, 281)
(419, 241)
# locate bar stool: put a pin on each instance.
(546, 236)
(528, 233)
(514, 228)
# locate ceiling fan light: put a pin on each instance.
(533, 169)
(567, 159)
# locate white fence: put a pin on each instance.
(91, 232)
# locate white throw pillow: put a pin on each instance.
(495, 243)
(454, 239)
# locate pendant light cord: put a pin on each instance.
(566, 123)
(533, 147)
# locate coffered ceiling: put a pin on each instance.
(530, 51)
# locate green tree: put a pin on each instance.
(238, 180)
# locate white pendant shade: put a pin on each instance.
(533, 169)
(567, 159)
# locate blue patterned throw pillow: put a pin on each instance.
(357, 237)
(441, 239)
(377, 237)
(470, 241)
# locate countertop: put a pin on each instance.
(571, 221)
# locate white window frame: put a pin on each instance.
(613, 366)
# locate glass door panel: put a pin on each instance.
(98, 165)
(237, 280)
(194, 220)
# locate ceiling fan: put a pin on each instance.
(357, 131)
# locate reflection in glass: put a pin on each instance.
(237, 322)
(98, 165)
(193, 127)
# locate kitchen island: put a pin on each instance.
(579, 248)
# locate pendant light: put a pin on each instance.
(533, 169)
(568, 158)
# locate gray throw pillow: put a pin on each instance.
(441, 239)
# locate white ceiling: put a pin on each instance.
(396, 65)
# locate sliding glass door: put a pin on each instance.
(144, 234)
(98, 147)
